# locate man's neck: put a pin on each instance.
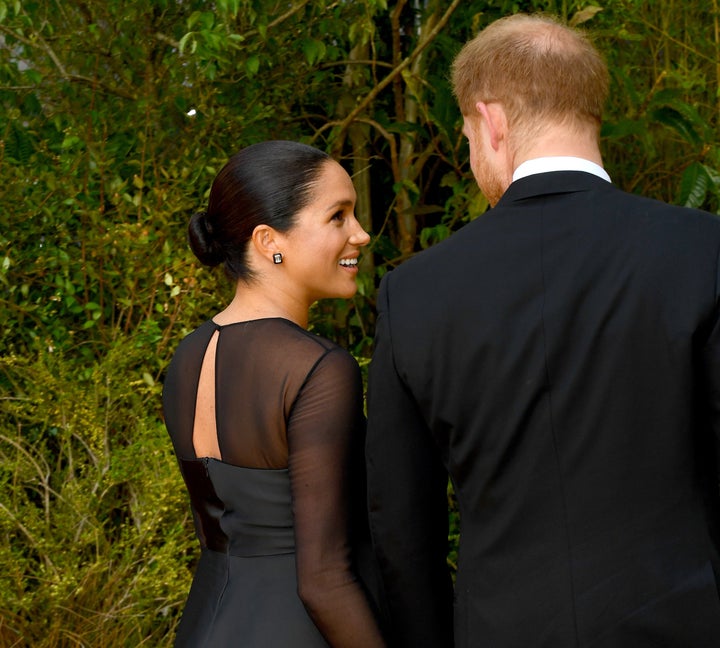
(560, 142)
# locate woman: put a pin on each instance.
(266, 418)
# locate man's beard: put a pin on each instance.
(490, 181)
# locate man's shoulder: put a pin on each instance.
(604, 197)
(678, 215)
(448, 250)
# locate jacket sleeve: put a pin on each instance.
(711, 380)
(407, 498)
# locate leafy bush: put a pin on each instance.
(96, 534)
(115, 117)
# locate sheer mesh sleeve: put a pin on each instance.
(325, 441)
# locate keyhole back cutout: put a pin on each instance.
(205, 437)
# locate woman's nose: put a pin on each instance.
(360, 237)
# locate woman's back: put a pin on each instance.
(258, 371)
(275, 497)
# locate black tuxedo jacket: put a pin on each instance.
(559, 358)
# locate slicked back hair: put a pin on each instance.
(263, 184)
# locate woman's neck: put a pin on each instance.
(256, 302)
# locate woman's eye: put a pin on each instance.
(338, 216)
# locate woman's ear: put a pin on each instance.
(266, 242)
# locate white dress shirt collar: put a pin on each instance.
(559, 163)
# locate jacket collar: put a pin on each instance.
(553, 182)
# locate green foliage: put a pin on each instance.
(94, 521)
(115, 117)
(661, 134)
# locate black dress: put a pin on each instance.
(281, 517)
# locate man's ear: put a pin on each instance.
(266, 241)
(495, 121)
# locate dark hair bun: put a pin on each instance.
(267, 183)
(202, 241)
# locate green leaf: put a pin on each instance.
(69, 142)
(19, 144)
(207, 19)
(314, 50)
(694, 185)
(584, 15)
(713, 176)
(193, 19)
(252, 65)
(410, 187)
(183, 44)
(33, 76)
(384, 246)
(622, 128)
(431, 235)
(672, 118)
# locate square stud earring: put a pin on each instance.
(277, 258)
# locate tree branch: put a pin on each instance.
(370, 97)
(43, 45)
(280, 19)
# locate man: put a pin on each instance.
(559, 359)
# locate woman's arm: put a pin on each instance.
(325, 450)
